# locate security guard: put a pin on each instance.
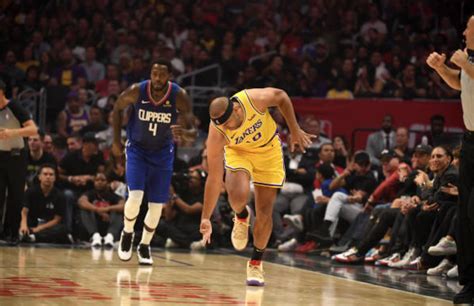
(15, 124)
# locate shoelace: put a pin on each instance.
(241, 229)
(126, 242)
(255, 272)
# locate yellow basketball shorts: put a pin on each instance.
(265, 165)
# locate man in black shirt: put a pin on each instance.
(37, 157)
(43, 210)
(15, 123)
(101, 211)
(182, 215)
(77, 171)
(360, 182)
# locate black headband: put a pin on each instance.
(225, 116)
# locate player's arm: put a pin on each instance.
(215, 157)
(212, 189)
(186, 117)
(449, 75)
(264, 98)
(126, 98)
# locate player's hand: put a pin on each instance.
(459, 58)
(302, 139)
(177, 132)
(436, 60)
(117, 149)
(206, 230)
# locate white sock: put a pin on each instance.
(152, 219)
(131, 210)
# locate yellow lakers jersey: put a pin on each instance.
(257, 128)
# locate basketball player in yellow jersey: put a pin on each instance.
(243, 137)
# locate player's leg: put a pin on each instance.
(158, 184)
(136, 171)
(264, 199)
(238, 189)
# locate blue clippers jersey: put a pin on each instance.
(149, 125)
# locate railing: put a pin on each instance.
(35, 103)
(193, 74)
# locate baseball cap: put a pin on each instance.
(387, 154)
(90, 137)
(424, 149)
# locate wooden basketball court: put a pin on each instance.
(72, 276)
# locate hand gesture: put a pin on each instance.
(450, 189)
(436, 60)
(301, 139)
(206, 230)
(177, 132)
(459, 58)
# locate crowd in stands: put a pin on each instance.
(333, 197)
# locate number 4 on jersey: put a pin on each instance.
(153, 127)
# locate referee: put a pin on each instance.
(463, 79)
(15, 123)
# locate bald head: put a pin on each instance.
(218, 106)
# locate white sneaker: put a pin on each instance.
(96, 240)
(125, 246)
(453, 272)
(144, 255)
(255, 275)
(197, 245)
(288, 246)
(109, 241)
(407, 258)
(169, 244)
(385, 261)
(444, 247)
(240, 232)
(295, 221)
(444, 266)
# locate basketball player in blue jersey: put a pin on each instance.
(151, 129)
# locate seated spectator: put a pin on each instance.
(437, 136)
(312, 126)
(96, 121)
(340, 91)
(401, 145)
(43, 211)
(73, 118)
(37, 157)
(68, 73)
(326, 155)
(384, 139)
(101, 213)
(411, 86)
(360, 182)
(182, 215)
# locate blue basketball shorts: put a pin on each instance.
(150, 171)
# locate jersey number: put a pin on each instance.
(153, 127)
(257, 136)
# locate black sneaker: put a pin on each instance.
(125, 246)
(465, 296)
(144, 255)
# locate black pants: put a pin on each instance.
(55, 234)
(12, 178)
(183, 235)
(385, 220)
(440, 229)
(465, 232)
